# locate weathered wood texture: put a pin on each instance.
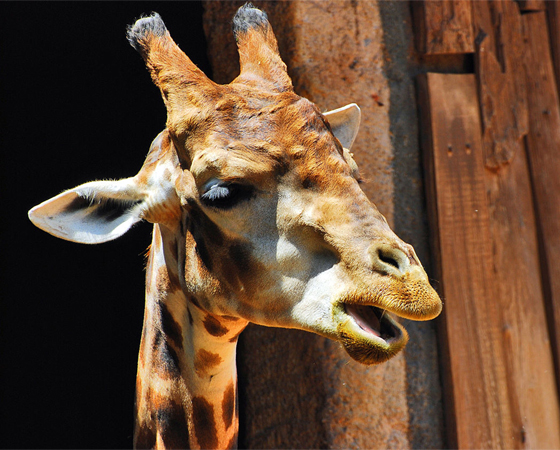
(532, 5)
(529, 363)
(553, 13)
(299, 390)
(503, 104)
(482, 414)
(516, 99)
(443, 26)
(543, 145)
(501, 80)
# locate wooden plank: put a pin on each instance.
(553, 13)
(443, 26)
(532, 5)
(425, 116)
(543, 144)
(503, 103)
(503, 95)
(516, 271)
(474, 363)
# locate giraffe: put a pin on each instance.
(258, 216)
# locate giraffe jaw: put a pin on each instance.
(368, 333)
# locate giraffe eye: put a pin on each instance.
(225, 195)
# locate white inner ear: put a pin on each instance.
(91, 213)
(345, 123)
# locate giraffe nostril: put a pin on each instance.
(388, 259)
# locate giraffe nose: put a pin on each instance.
(389, 260)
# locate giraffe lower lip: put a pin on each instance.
(368, 334)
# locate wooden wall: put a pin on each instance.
(492, 157)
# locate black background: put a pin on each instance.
(77, 104)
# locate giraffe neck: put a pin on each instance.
(186, 392)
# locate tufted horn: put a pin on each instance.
(258, 49)
(182, 84)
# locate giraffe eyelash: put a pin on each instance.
(225, 195)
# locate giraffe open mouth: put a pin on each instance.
(374, 320)
(368, 333)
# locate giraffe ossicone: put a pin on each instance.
(258, 217)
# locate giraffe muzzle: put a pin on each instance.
(398, 286)
(369, 334)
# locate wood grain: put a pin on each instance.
(508, 249)
(443, 26)
(543, 145)
(553, 14)
(503, 102)
(501, 82)
(524, 333)
(532, 5)
(474, 362)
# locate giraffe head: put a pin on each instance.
(262, 196)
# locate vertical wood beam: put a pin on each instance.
(481, 413)
(532, 5)
(443, 26)
(502, 87)
(501, 80)
(543, 145)
(553, 13)
(523, 366)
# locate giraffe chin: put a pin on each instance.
(369, 334)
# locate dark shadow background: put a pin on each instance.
(77, 104)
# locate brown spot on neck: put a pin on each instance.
(205, 360)
(166, 357)
(172, 425)
(228, 405)
(191, 320)
(171, 328)
(204, 423)
(214, 327)
(162, 416)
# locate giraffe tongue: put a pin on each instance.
(366, 317)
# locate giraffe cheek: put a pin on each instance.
(245, 276)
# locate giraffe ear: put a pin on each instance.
(101, 211)
(344, 123)
(91, 213)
